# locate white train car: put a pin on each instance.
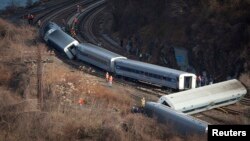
(205, 98)
(97, 56)
(154, 74)
(182, 123)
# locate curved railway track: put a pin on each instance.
(87, 30)
(65, 10)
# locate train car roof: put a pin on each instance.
(51, 25)
(62, 39)
(98, 50)
(153, 67)
(206, 95)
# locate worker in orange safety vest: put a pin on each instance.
(110, 80)
(81, 101)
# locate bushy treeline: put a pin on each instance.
(216, 32)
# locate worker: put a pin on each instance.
(107, 76)
(81, 101)
(78, 8)
(73, 33)
(199, 80)
(39, 23)
(143, 101)
(110, 80)
(121, 42)
(75, 21)
(211, 80)
(30, 19)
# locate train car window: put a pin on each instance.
(94, 58)
(146, 73)
(120, 67)
(125, 69)
(130, 70)
(150, 75)
(158, 77)
(84, 54)
(173, 80)
(154, 75)
(168, 79)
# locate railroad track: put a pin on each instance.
(88, 17)
(88, 33)
(66, 10)
(232, 111)
(50, 15)
(41, 14)
(245, 101)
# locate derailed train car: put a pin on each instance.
(154, 74)
(97, 56)
(49, 28)
(205, 98)
(181, 123)
(61, 41)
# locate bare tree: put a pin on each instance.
(29, 3)
(13, 4)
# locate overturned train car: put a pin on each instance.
(181, 123)
(61, 41)
(205, 98)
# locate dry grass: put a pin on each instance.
(104, 116)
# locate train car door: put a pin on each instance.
(187, 82)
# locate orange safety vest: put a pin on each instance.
(110, 79)
(81, 101)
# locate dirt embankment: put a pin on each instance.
(105, 114)
(216, 33)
